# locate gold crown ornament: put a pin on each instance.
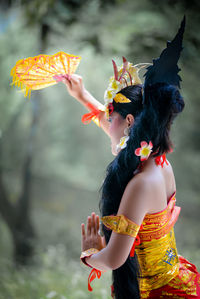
(126, 75)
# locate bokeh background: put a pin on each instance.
(51, 165)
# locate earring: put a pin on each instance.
(122, 143)
(127, 131)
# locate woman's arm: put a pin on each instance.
(76, 89)
(134, 205)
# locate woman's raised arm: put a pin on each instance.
(76, 89)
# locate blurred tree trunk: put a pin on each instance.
(17, 217)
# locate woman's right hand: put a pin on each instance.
(91, 237)
(74, 84)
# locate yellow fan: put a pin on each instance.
(37, 72)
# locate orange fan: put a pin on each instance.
(37, 72)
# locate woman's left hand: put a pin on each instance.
(91, 237)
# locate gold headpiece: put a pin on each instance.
(126, 75)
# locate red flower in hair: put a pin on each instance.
(144, 151)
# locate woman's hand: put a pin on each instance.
(73, 83)
(91, 237)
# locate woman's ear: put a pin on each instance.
(130, 120)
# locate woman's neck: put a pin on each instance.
(151, 162)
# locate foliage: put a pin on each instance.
(54, 276)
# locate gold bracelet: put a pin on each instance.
(88, 253)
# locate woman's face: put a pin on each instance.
(116, 130)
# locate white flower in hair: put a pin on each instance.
(125, 76)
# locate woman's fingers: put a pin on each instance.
(93, 229)
(74, 83)
(74, 79)
(67, 83)
(92, 224)
(89, 225)
(64, 79)
(90, 235)
(97, 223)
(83, 229)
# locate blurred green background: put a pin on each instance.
(51, 165)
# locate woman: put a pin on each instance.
(138, 194)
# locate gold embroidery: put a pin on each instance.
(121, 225)
(164, 274)
(158, 261)
(186, 280)
(157, 253)
(88, 252)
(159, 224)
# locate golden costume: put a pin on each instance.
(163, 273)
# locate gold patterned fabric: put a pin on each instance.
(121, 225)
(186, 285)
(164, 274)
(158, 261)
(157, 252)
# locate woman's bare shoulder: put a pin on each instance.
(140, 187)
(158, 184)
(134, 202)
(169, 179)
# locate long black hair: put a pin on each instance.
(152, 122)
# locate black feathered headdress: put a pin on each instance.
(165, 68)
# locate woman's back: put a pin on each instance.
(162, 181)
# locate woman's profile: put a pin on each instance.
(138, 195)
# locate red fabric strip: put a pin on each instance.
(86, 118)
(136, 242)
(93, 274)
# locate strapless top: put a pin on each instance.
(157, 252)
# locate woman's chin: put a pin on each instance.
(114, 154)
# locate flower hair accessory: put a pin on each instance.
(125, 76)
(144, 151)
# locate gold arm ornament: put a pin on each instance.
(121, 225)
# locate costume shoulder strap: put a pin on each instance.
(121, 225)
